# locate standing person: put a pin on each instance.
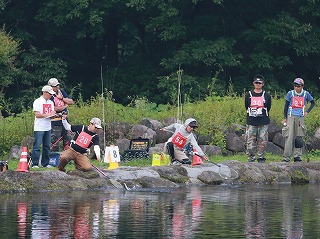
(258, 105)
(43, 109)
(61, 101)
(183, 134)
(85, 137)
(294, 114)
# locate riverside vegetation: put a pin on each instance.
(214, 114)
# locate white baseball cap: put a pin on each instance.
(48, 88)
(53, 82)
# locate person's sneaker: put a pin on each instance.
(286, 160)
(35, 166)
(48, 166)
(176, 162)
(186, 161)
(261, 160)
(251, 159)
(297, 159)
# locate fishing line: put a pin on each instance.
(112, 99)
(179, 107)
(224, 171)
(103, 114)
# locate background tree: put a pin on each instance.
(140, 45)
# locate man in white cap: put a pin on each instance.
(85, 137)
(61, 101)
(294, 126)
(43, 109)
(182, 136)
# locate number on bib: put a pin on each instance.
(297, 102)
(84, 140)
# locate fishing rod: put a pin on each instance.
(103, 106)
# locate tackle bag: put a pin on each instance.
(160, 159)
(138, 149)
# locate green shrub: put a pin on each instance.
(214, 114)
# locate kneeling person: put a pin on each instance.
(85, 137)
(182, 135)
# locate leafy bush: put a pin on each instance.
(215, 115)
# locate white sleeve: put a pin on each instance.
(96, 149)
(66, 125)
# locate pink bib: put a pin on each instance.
(46, 108)
(84, 140)
(297, 102)
(179, 140)
(256, 102)
(58, 102)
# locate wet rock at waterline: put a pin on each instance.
(159, 178)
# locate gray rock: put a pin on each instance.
(141, 131)
(274, 149)
(234, 143)
(152, 124)
(279, 140)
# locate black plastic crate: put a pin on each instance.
(138, 149)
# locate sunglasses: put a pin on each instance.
(193, 127)
(94, 125)
(298, 86)
(48, 93)
(259, 83)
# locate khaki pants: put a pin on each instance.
(295, 127)
(81, 161)
(178, 153)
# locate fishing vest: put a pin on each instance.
(257, 105)
(297, 102)
(84, 139)
(179, 140)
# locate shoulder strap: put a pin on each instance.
(250, 93)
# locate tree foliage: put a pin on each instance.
(140, 44)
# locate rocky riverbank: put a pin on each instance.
(158, 178)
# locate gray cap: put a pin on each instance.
(96, 122)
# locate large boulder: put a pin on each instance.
(234, 143)
(152, 124)
(141, 131)
(274, 149)
(278, 140)
(273, 129)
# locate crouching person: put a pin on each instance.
(182, 135)
(85, 137)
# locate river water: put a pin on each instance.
(282, 211)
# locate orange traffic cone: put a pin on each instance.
(196, 160)
(23, 164)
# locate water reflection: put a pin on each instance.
(292, 224)
(282, 211)
(255, 215)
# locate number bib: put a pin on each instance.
(297, 102)
(84, 140)
(257, 102)
(58, 102)
(46, 108)
(179, 140)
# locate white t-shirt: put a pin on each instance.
(44, 107)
